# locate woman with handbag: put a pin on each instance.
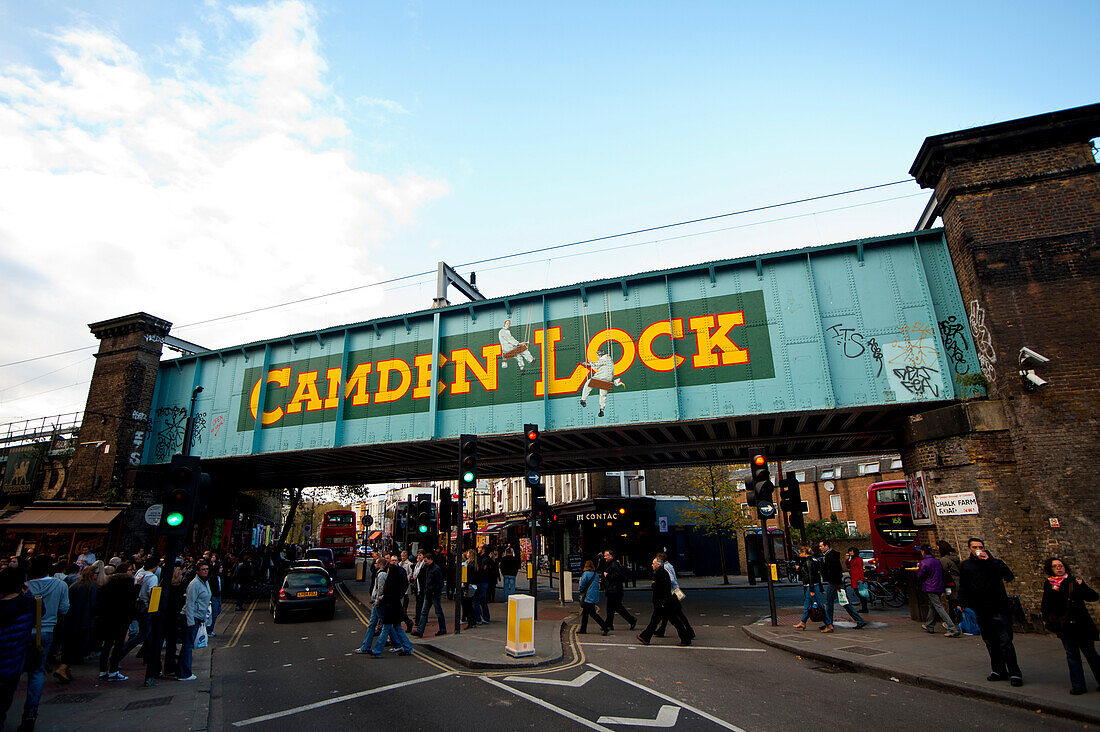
(589, 590)
(1065, 615)
(811, 582)
(858, 578)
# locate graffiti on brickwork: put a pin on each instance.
(172, 423)
(954, 343)
(876, 354)
(849, 339)
(983, 341)
(139, 440)
(918, 380)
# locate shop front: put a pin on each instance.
(62, 531)
(584, 530)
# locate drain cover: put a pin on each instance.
(160, 701)
(862, 650)
(73, 698)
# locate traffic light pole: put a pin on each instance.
(769, 559)
(534, 564)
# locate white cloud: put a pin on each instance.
(182, 195)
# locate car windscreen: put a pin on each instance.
(300, 580)
(325, 555)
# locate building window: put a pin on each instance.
(800, 476)
(835, 503)
(831, 473)
(895, 464)
(853, 528)
(740, 485)
(868, 468)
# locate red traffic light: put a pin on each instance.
(532, 434)
(760, 460)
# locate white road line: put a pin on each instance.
(320, 659)
(576, 683)
(286, 665)
(337, 700)
(666, 697)
(682, 648)
(666, 717)
(546, 705)
(251, 671)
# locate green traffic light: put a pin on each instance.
(174, 519)
(423, 529)
(468, 476)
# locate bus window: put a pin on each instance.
(892, 495)
(340, 519)
(896, 531)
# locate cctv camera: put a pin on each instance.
(1026, 353)
(1033, 379)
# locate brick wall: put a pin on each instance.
(1020, 203)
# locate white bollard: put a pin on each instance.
(521, 626)
(567, 586)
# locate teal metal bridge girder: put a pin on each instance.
(821, 350)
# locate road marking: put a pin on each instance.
(286, 665)
(688, 648)
(305, 637)
(236, 637)
(337, 700)
(246, 645)
(546, 705)
(666, 697)
(576, 683)
(320, 659)
(666, 717)
(274, 641)
(250, 671)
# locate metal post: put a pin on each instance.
(769, 559)
(171, 549)
(534, 559)
(458, 567)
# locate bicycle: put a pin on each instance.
(888, 592)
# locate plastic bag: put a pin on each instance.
(200, 636)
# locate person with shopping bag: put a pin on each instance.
(196, 610)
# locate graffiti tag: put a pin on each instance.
(954, 343)
(849, 339)
(918, 379)
(983, 341)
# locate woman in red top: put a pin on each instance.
(855, 570)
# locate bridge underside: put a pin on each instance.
(854, 431)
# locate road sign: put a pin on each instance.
(766, 510)
(153, 514)
(306, 528)
(367, 521)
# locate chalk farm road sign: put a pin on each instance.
(845, 326)
(956, 504)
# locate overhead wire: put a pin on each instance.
(486, 260)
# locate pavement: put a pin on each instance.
(897, 648)
(86, 703)
(483, 647)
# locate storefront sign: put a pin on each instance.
(598, 516)
(918, 499)
(956, 504)
(22, 472)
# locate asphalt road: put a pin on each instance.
(304, 674)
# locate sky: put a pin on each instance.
(198, 160)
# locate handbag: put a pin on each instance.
(678, 594)
(863, 590)
(200, 637)
(817, 613)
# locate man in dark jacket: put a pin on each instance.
(116, 610)
(431, 584)
(930, 574)
(397, 584)
(982, 580)
(665, 605)
(614, 579)
(832, 574)
(16, 638)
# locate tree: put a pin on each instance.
(341, 495)
(831, 529)
(715, 508)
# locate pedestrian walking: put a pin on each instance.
(678, 606)
(833, 576)
(216, 589)
(614, 586)
(243, 580)
(54, 595)
(19, 646)
(665, 605)
(174, 620)
(949, 560)
(1065, 615)
(410, 594)
(809, 572)
(196, 611)
(397, 584)
(982, 589)
(470, 609)
(858, 578)
(589, 591)
(116, 609)
(492, 572)
(930, 575)
(145, 580)
(481, 599)
(79, 622)
(374, 624)
(417, 583)
(509, 567)
(431, 576)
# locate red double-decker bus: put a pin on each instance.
(893, 535)
(338, 534)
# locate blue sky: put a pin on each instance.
(195, 160)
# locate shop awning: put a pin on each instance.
(491, 528)
(65, 519)
(374, 535)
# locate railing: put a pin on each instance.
(29, 431)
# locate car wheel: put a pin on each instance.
(277, 615)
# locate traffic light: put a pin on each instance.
(445, 521)
(467, 463)
(760, 491)
(184, 480)
(532, 455)
(423, 513)
(790, 501)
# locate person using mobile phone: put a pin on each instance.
(982, 589)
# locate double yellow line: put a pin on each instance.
(577, 651)
(236, 637)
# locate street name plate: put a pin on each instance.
(153, 514)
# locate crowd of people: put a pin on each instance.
(56, 615)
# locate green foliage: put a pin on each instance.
(831, 529)
(715, 507)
